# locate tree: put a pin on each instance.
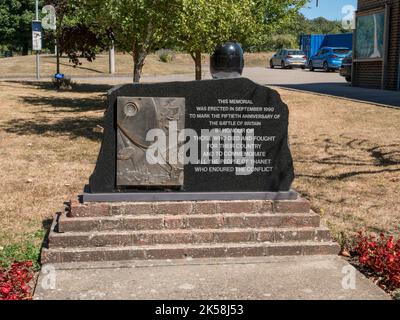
(15, 24)
(139, 26)
(73, 36)
(204, 24)
(324, 26)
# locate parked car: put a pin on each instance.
(288, 58)
(328, 58)
(347, 64)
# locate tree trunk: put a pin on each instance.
(25, 49)
(139, 56)
(57, 57)
(197, 64)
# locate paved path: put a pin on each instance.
(316, 82)
(323, 83)
(264, 278)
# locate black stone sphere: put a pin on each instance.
(227, 61)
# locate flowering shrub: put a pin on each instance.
(381, 255)
(14, 281)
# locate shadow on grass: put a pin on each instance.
(74, 127)
(81, 68)
(82, 126)
(63, 104)
(77, 87)
(378, 159)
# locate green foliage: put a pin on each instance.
(27, 249)
(139, 26)
(299, 24)
(206, 24)
(281, 41)
(287, 34)
(73, 36)
(15, 24)
(85, 27)
(323, 26)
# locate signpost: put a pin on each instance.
(37, 39)
(36, 35)
(49, 23)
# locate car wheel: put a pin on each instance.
(348, 79)
(303, 67)
(311, 66)
(283, 66)
(271, 64)
(326, 67)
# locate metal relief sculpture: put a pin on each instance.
(136, 116)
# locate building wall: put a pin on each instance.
(394, 47)
(369, 73)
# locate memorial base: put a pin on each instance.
(191, 228)
(186, 196)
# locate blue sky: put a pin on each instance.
(329, 9)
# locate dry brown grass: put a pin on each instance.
(347, 161)
(48, 144)
(346, 156)
(24, 66)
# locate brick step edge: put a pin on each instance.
(188, 236)
(215, 221)
(187, 251)
(100, 209)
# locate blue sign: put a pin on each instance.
(37, 26)
(59, 76)
(36, 35)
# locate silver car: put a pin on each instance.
(288, 58)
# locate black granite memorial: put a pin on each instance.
(212, 136)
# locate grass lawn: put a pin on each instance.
(347, 158)
(24, 66)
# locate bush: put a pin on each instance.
(63, 84)
(276, 42)
(382, 256)
(166, 55)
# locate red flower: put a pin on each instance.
(372, 244)
(5, 290)
(14, 281)
(381, 256)
(390, 244)
(390, 258)
(25, 288)
(363, 259)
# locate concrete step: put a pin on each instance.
(150, 237)
(179, 251)
(195, 221)
(104, 209)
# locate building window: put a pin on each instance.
(370, 36)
